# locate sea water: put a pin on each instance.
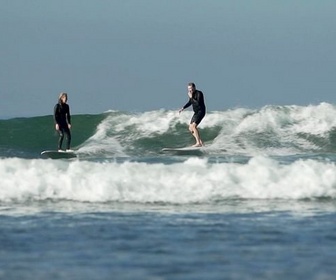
(259, 203)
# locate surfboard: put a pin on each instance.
(185, 150)
(53, 154)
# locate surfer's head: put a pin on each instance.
(191, 87)
(63, 97)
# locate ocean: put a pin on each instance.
(258, 203)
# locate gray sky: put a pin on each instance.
(139, 55)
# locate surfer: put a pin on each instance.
(196, 99)
(63, 120)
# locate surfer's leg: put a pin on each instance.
(192, 126)
(198, 138)
(195, 120)
(196, 134)
(68, 137)
(60, 139)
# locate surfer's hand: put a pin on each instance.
(180, 110)
(57, 126)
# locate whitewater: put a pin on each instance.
(258, 203)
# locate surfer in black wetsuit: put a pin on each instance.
(196, 99)
(63, 120)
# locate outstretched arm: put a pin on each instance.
(185, 106)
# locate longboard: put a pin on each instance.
(53, 154)
(185, 150)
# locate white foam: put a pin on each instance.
(313, 119)
(271, 130)
(102, 143)
(194, 180)
(285, 128)
(147, 123)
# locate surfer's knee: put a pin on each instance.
(193, 125)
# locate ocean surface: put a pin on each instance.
(259, 202)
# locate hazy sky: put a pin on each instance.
(139, 55)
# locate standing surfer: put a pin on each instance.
(63, 120)
(196, 99)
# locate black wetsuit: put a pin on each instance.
(63, 119)
(197, 102)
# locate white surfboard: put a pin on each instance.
(185, 150)
(53, 154)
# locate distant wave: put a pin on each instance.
(270, 130)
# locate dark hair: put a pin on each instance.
(192, 85)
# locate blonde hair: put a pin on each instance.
(61, 96)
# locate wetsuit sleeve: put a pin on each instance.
(56, 114)
(197, 101)
(68, 115)
(187, 105)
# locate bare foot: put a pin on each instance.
(197, 145)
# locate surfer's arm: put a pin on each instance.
(186, 106)
(68, 116)
(56, 113)
(56, 116)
